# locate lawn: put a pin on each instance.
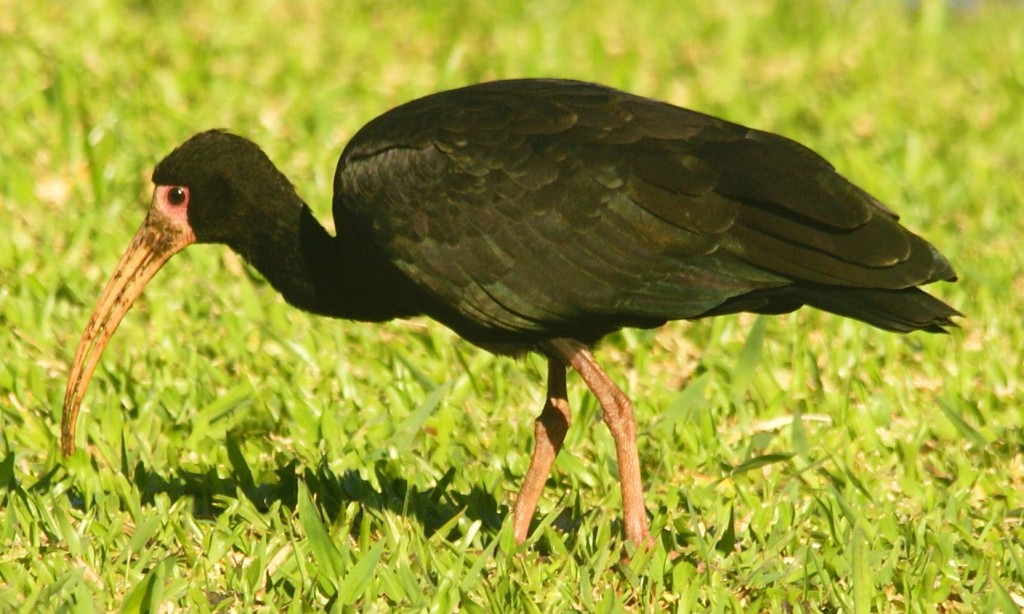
(237, 455)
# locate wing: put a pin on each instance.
(555, 208)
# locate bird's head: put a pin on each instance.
(208, 190)
(217, 181)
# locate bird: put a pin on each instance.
(540, 215)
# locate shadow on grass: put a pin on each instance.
(431, 507)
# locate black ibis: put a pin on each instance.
(540, 215)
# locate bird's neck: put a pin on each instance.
(332, 276)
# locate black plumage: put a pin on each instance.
(541, 215)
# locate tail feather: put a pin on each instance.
(903, 311)
(900, 311)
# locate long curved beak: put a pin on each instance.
(161, 236)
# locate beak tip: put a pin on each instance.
(67, 447)
(67, 444)
(69, 417)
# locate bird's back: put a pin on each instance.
(535, 209)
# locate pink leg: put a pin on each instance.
(549, 431)
(618, 415)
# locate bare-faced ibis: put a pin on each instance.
(540, 216)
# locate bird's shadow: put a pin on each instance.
(433, 507)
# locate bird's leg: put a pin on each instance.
(549, 429)
(618, 416)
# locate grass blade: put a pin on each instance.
(748, 360)
(358, 578)
(330, 562)
(863, 587)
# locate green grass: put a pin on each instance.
(237, 454)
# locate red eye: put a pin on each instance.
(177, 195)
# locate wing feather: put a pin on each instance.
(552, 207)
